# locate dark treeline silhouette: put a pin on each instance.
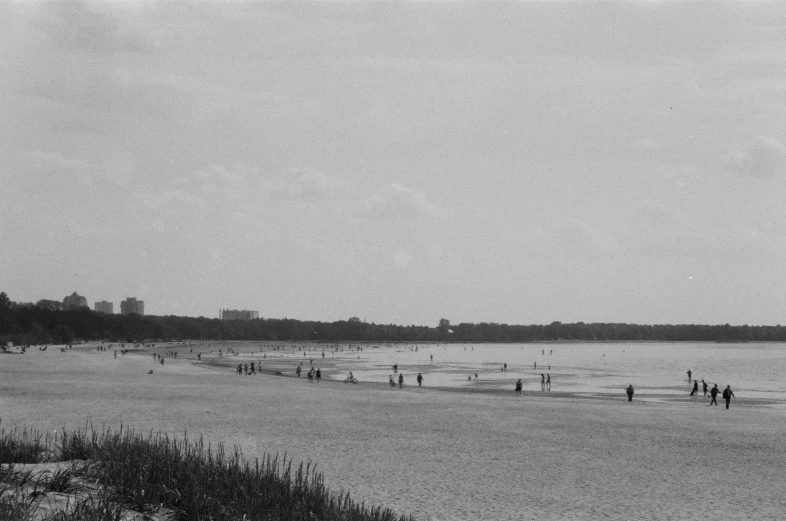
(27, 323)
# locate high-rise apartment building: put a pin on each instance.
(238, 314)
(105, 307)
(132, 305)
(74, 301)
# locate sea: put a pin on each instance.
(657, 370)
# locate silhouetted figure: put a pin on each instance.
(629, 390)
(727, 394)
(297, 371)
(518, 387)
(420, 380)
(714, 394)
(392, 382)
(401, 380)
(704, 387)
(542, 382)
(318, 374)
(548, 382)
(695, 390)
(689, 375)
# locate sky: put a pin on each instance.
(401, 162)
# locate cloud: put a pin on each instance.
(396, 201)
(93, 27)
(243, 183)
(765, 158)
(56, 161)
(572, 239)
(306, 183)
(646, 144)
(64, 168)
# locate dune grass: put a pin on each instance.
(186, 479)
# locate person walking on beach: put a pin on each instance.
(518, 387)
(542, 382)
(319, 375)
(311, 376)
(629, 390)
(297, 371)
(420, 380)
(727, 394)
(695, 390)
(689, 375)
(548, 382)
(401, 380)
(714, 394)
(704, 387)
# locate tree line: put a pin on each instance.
(43, 323)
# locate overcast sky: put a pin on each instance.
(399, 162)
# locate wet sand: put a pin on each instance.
(435, 453)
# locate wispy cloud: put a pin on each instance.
(396, 201)
(306, 183)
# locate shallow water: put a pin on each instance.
(752, 370)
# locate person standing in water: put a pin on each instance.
(542, 382)
(629, 391)
(401, 380)
(420, 380)
(695, 390)
(727, 394)
(548, 382)
(518, 387)
(704, 387)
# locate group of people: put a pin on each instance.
(727, 394)
(312, 374)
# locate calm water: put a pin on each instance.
(657, 370)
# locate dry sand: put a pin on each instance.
(433, 453)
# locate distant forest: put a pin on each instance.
(44, 323)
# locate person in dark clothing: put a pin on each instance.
(420, 380)
(518, 386)
(548, 382)
(695, 390)
(704, 387)
(401, 380)
(542, 382)
(689, 375)
(727, 394)
(629, 390)
(319, 374)
(714, 394)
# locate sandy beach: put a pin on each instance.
(435, 453)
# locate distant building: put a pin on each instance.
(74, 301)
(105, 307)
(132, 305)
(238, 314)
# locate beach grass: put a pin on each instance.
(187, 479)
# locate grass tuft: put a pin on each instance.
(190, 479)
